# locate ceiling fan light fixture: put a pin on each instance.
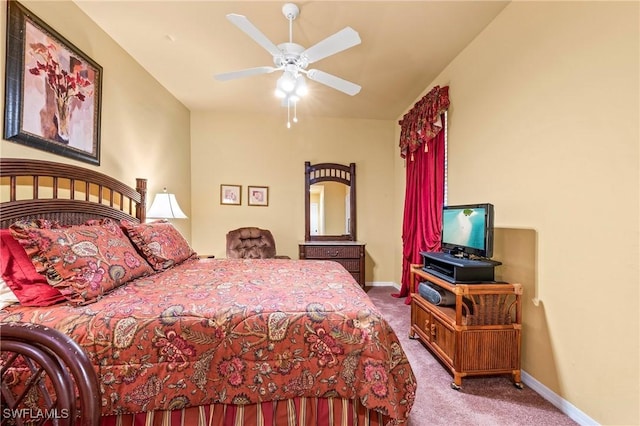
(293, 59)
(287, 82)
(279, 93)
(301, 86)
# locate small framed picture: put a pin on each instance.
(231, 194)
(258, 195)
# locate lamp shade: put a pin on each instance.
(165, 206)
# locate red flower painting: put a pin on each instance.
(66, 85)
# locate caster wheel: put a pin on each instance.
(519, 385)
(454, 386)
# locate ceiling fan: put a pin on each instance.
(293, 59)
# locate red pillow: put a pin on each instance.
(30, 287)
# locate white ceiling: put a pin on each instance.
(405, 45)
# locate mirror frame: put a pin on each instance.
(329, 172)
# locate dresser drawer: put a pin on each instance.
(351, 265)
(332, 252)
(350, 256)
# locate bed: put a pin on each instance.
(179, 340)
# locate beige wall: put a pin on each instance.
(544, 123)
(260, 150)
(145, 130)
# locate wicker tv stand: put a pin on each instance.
(480, 335)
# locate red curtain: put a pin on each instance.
(424, 193)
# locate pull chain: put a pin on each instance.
(295, 112)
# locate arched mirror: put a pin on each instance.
(330, 202)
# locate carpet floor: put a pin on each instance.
(482, 401)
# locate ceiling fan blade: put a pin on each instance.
(252, 31)
(342, 40)
(244, 73)
(334, 82)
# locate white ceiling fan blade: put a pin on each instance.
(342, 40)
(334, 82)
(252, 31)
(244, 73)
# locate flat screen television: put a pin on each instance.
(467, 230)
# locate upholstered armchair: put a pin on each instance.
(251, 243)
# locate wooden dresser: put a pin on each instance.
(349, 254)
(479, 335)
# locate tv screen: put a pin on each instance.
(468, 230)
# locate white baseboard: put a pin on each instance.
(382, 284)
(563, 405)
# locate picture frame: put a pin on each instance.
(258, 195)
(231, 194)
(53, 91)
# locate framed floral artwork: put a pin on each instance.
(231, 194)
(258, 195)
(52, 90)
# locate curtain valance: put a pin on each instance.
(422, 123)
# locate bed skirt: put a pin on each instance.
(293, 412)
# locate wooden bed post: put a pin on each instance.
(141, 209)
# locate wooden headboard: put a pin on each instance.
(69, 194)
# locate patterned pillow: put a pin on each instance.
(30, 287)
(24, 227)
(84, 262)
(159, 242)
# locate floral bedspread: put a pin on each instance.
(237, 332)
